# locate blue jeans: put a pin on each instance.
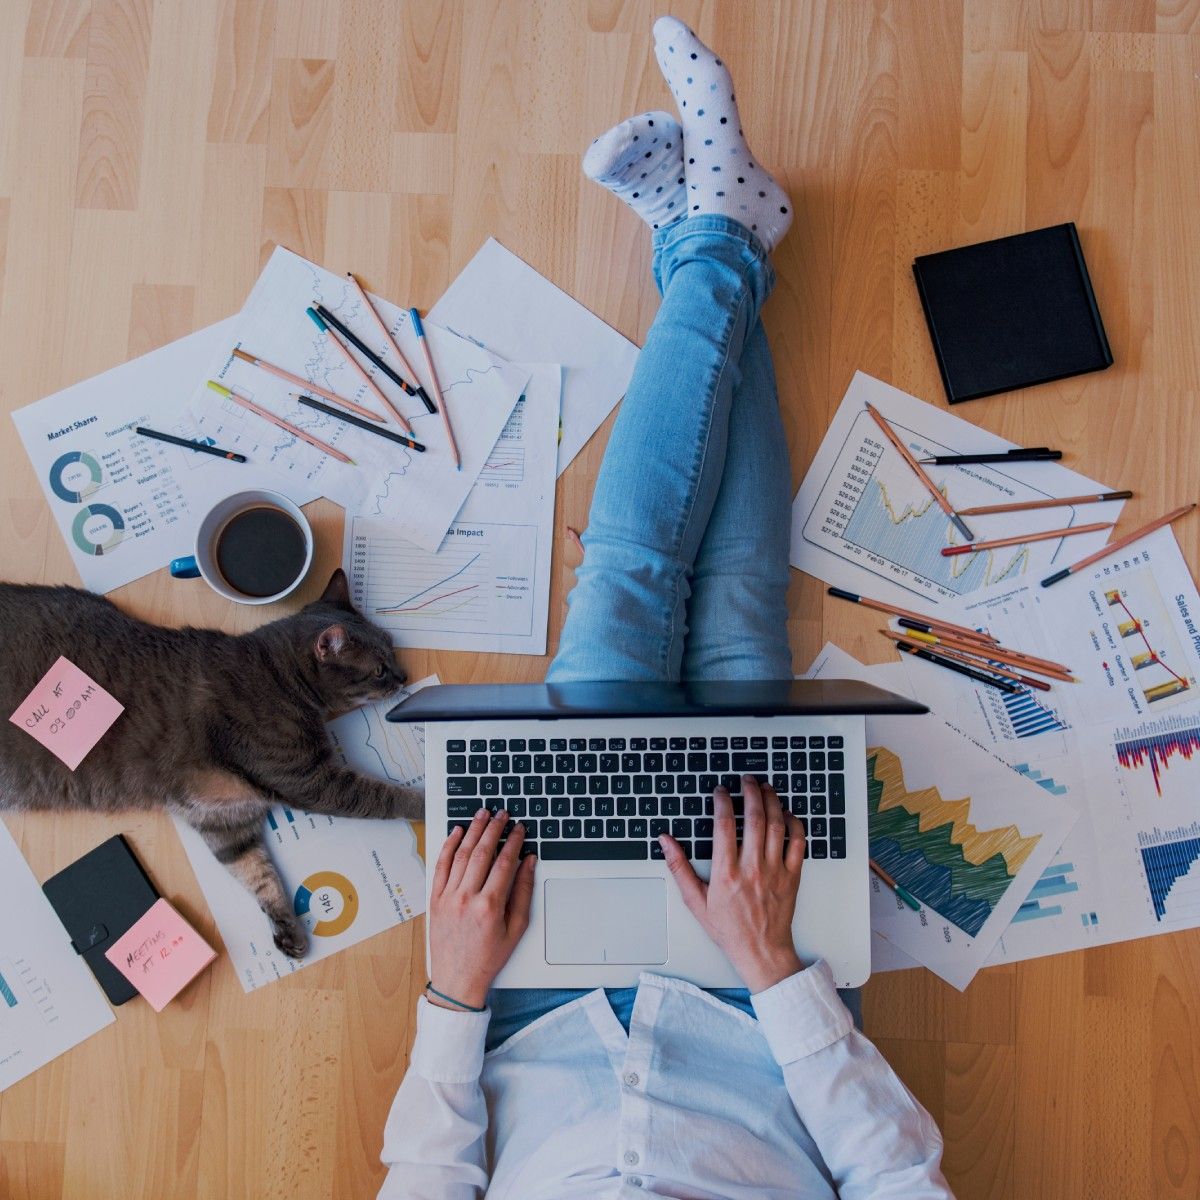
(685, 572)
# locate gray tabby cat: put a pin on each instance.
(216, 727)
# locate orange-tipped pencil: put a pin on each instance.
(922, 620)
(1119, 544)
(419, 330)
(295, 430)
(985, 510)
(981, 659)
(1015, 658)
(391, 341)
(357, 368)
(324, 393)
(1045, 535)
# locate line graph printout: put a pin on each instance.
(967, 834)
(370, 743)
(488, 587)
(862, 519)
(419, 492)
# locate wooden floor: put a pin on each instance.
(151, 153)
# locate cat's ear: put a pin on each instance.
(337, 590)
(330, 643)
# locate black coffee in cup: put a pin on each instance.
(261, 551)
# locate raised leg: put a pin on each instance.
(665, 459)
(737, 618)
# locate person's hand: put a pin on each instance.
(748, 904)
(478, 907)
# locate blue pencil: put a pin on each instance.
(419, 330)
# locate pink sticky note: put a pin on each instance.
(160, 955)
(67, 712)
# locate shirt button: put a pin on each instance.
(631, 1158)
(635, 1181)
(631, 1079)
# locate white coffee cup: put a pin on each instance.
(203, 562)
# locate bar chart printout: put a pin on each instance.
(1172, 866)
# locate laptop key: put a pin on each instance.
(572, 828)
(557, 744)
(489, 785)
(560, 806)
(564, 764)
(549, 828)
(664, 783)
(462, 785)
(686, 847)
(678, 743)
(836, 741)
(616, 743)
(656, 851)
(464, 806)
(704, 850)
(648, 806)
(816, 783)
(740, 743)
(703, 827)
(522, 764)
(604, 806)
(818, 827)
(817, 742)
(626, 806)
(451, 826)
(816, 760)
(837, 760)
(697, 762)
(478, 746)
(758, 743)
(746, 763)
(670, 806)
(818, 850)
(687, 783)
(543, 764)
(531, 828)
(577, 785)
(500, 764)
(477, 764)
(638, 743)
(539, 806)
(638, 827)
(659, 825)
(697, 743)
(816, 805)
(837, 793)
(781, 783)
(556, 785)
(652, 763)
(585, 764)
(658, 743)
(582, 807)
(576, 744)
(631, 763)
(643, 785)
(510, 785)
(598, 785)
(614, 827)
(837, 849)
(610, 763)
(707, 784)
(620, 785)
(780, 762)
(718, 743)
(779, 743)
(531, 785)
(837, 828)
(732, 784)
(599, 850)
(456, 746)
(593, 827)
(675, 762)
(800, 806)
(456, 764)
(798, 741)
(693, 806)
(537, 745)
(596, 744)
(517, 746)
(718, 762)
(681, 827)
(497, 745)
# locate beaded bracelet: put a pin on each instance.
(451, 1000)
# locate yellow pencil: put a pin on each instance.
(295, 430)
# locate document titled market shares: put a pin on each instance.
(49, 1000)
(966, 835)
(348, 879)
(488, 586)
(863, 521)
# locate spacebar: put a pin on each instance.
(598, 849)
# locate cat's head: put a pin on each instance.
(352, 656)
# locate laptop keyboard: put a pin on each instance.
(610, 798)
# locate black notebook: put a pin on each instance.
(98, 898)
(1012, 312)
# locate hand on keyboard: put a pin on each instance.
(478, 907)
(748, 904)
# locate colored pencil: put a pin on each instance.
(904, 895)
(295, 430)
(357, 367)
(1119, 544)
(1014, 658)
(187, 444)
(1028, 454)
(299, 381)
(985, 510)
(925, 622)
(975, 658)
(411, 389)
(309, 402)
(1044, 536)
(918, 470)
(419, 330)
(366, 299)
(961, 668)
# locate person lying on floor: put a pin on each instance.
(740, 1094)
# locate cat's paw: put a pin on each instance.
(291, 937)
(405, 804)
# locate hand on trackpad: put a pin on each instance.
(618, 921)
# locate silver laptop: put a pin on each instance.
(596, 771)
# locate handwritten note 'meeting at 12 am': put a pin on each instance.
(160, 954)
(67, 712)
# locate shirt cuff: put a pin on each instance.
(449, 1045)
(802, 1014)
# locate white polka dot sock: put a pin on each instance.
(722, 174)
(641, 161)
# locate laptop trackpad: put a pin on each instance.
(606, 921)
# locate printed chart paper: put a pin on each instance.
(863, 521)
(126, 505)
(49, 1000)
(500, 302)
(966, 835)
(420, 493)
(349, 879)
(488, 587)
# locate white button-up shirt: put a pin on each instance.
(698, 1100)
